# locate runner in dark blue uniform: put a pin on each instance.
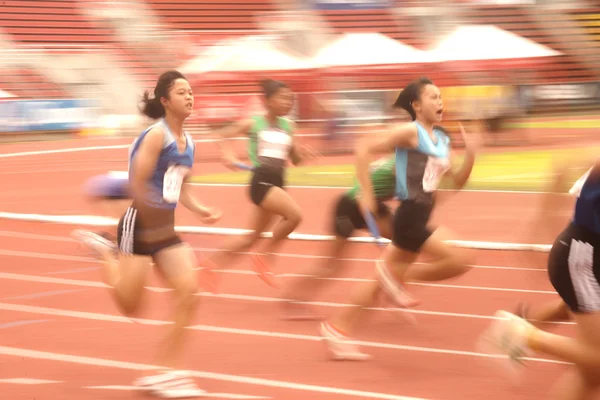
(574, 270)
(160, 162)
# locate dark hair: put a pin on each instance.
(411, 93)
(152, 106)
(271, 87)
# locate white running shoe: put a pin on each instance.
(170, 385)
(507, 337)
(341, 347)
(392, 288)
(94, 241)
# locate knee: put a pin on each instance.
(295, 217)
(130, 306)
(187, 294)
(461, 262)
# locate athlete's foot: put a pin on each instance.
(507, 336)
(96, 242)
(340, 346)
(169, 384)
(105, 249)
(296, 311)
(262, 268)
(392, 288)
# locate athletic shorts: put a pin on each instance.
(145, 231)
(349, 217)
(263, 179)
(410, 228)
(574, 268)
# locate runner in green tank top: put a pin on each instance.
(348, 217)
(271, 146)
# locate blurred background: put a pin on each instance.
(528, 68)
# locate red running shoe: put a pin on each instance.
(262, 269)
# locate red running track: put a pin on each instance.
(63, 338)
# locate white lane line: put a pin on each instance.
(103, 362)
(340, 188)
(233, 296)
(54, 256)
(214, 395)
(27, 381)
(81, 282)
(247, 332)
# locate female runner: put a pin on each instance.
(271, 144)
(347, 217)
(160, 162)
(422, 159)
(574, 271)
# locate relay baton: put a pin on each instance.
(373, 228)
(243, 166)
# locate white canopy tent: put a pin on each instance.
(4, 94)
(355, 49)
(250, 53)
(487, 42)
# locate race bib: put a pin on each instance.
(576, 189)
(434, 171)
(172, 182)
(274, 144)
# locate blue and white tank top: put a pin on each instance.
(419, 171)
(170, 170)
(587, 206)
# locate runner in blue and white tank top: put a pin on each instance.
(422, 160)
(574, 271)
(160, 162)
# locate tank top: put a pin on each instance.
(419, 171)
(587, 206)
(383, 180)
(171, 168)
(270, 145)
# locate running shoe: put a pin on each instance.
(94, 241)
(507, 338)
(170, 385)
(392, 288)
(261, 267)
(340, 347)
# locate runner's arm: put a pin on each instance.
(398, 136)
(238, 128)
(144, 163)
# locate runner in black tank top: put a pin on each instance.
(271, 146)
(574, 270)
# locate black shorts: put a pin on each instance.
(145, 231)
(574, 268)
(263, 179)
(410, 227)
(349, 217)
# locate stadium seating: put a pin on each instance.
(212, 15)
(589, 19)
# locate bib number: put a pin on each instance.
(274, 144)
(172, 183)
(434, 171)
